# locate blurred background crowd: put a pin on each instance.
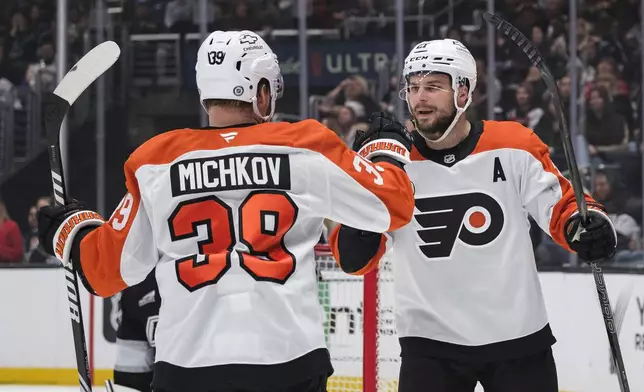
(352, 71)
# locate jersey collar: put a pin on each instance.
(243, 125)
(449, 157)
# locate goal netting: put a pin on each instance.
(359, 326)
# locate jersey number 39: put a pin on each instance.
(264, 217)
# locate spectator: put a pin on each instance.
(178, 16)
(481, 70)
(524, 14)
(353, 88)
(30, 236)
(606, 129)
(20, 41)
(38, 23)
(538, 88)
(33, 252)
(243, 18)
(19, 47)
(539, 39)
(391, 98)
(564, 86)
(524, 111)
(346, 120)
(7, 95)
(143, 23)
(76, 26)
(548, 130)
(10, 238)
(555, 13)
(558, 56)
(610, 192)
(41, 75)
(617, 92)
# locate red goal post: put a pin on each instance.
(359, 326)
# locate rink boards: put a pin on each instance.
(36, 344)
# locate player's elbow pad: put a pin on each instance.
(357, 248)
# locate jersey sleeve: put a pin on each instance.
(123, 251)
(547, 195)
(369, 196)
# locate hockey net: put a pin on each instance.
(359, 326)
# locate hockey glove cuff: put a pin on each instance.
(594, 242)
(57, 226)
(386, 138)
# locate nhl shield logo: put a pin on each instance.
(449, 158)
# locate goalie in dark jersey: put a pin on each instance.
(468, 301)
(135, 336)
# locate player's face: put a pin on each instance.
(431, 99)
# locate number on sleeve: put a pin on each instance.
(359, 162)
(264, 219)
(122, 213)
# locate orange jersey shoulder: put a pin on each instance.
(167, 147)
(508, 134)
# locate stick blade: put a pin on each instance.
(491, 18)
(87, 70)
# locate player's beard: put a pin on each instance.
(434, 128)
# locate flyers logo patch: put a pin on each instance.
(475, 219)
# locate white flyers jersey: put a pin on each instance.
(466, 282)
(229, 218)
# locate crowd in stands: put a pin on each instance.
(608, 66)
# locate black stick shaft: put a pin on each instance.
(611, 329)
(54, 117)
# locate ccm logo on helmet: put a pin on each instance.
(473, 218)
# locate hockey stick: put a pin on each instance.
(537, 60)
(87, 69)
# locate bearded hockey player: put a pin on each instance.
(139, 308)
(233, 213)
(468, 304)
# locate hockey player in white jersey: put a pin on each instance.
(229, 215)
(469, 306)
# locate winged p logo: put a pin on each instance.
(475, 219)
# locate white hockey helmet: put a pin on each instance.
(447, 56)
(230, 65)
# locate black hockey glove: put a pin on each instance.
(594, 242)
(57, 226)
(386, 139)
